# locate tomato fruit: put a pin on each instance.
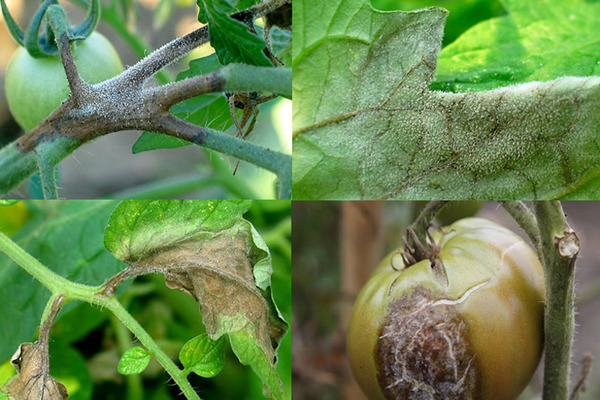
(476, 334)
(37, 86)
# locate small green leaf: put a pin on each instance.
(203, 356)
(8, 202)
(134, 361)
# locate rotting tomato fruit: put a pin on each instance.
(473, 332)
(37, 86)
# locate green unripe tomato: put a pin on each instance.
(37, 86)
(476, 335)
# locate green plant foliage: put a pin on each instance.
(81, 258)
(537, 41)
(206, 249)
(367, 125)
(203, 356)
(134, 361)
(231, 39)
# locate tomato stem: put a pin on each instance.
(559, 310)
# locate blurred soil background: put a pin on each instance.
(337, 245)
(107, 167)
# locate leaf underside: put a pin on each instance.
(368, 126)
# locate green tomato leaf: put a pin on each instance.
(138, 228)
(66, 237)
(207, 250)
(281, 43)
(203, 356)
(209, 110)
(536, 41)
(231, 39)
(367, 125)
(243, 344)
(134, 361)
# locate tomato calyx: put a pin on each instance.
(41, 43)
(429, 250)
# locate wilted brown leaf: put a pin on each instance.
(32, 363)
(218, 274)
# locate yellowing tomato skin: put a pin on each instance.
(37, 86)
(490, 314)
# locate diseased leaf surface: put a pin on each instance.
(207, 250)
(367, 125)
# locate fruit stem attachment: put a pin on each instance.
(422, 224)
(417, 242)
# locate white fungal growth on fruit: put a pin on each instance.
(424, 351)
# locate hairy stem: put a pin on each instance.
(246, 78)
(560, 246)
(123, 315)
(278, 163)
(48, 177)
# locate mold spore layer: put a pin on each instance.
(424, 352)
